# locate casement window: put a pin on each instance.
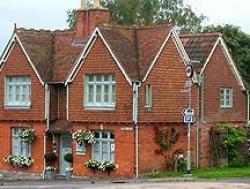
(17, 91)
(104, 148)
(18, 147)
(226, 97)
(148, 96)
(100, 91)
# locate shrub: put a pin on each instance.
(50, 157)
(68, 157)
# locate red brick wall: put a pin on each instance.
(62, 101)
(36, 145)
(150, 160)
(217, 75)
(99, 60)
(167, 79)
(124, 151)
(18, 64)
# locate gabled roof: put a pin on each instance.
(52, 53)
(199, 46)
(134, 48)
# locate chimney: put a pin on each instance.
(88, 17)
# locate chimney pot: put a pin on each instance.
(83, 4)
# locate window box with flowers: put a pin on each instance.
(104, 166)
(82, 138)
(19, 161)
(27, 135)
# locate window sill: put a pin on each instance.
(17, 107)
(148, 108)
(226, 107)
(99, 108)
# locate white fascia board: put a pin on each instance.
(157, 56)
(114, 57)
(229, 60)
(210, 55)
(83, 54)
(179, 47)
(232, 64)
(7, 50)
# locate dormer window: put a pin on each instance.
(17, 91)
(99, 91)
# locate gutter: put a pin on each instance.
(47, 117)
(136, 86)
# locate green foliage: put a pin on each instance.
(236, 139)
(148, 11)
(181, 164)
(50, 157)
(238, 43)
(68, 157)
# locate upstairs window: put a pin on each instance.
(148, 96)
(226, 98)
(19, 148)
(99, 91)
(18, 91)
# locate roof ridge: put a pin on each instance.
(208, 34)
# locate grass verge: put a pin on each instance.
(212, 173)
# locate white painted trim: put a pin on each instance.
(15, 38)
(179, 46)
(82, 56)
(210, 56)
(85, 52)
(67, 102)
(232, 64)
(157, 56)
(230, 61)
(112, 54)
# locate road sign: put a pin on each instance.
(189, 71)
(188, 119)
(188, 111)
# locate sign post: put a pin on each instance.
(189, 114)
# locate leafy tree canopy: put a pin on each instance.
(147, 11)
(238, 43)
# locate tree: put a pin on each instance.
(238, 43)
(148, 11)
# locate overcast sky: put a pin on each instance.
(51, 14)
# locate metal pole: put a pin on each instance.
(189, 131)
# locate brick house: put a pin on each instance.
(125, 84)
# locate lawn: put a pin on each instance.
(212, 173)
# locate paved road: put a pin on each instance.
(151, 185)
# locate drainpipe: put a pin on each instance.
(47, 117)
(136, 86)
(248, 106)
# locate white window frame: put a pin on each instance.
(21, 145)
(110, 144)
(20, 103)
(102, 105)
(226, 95)
(148, 96)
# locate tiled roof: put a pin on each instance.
(135, 47)
(52, 52)
(199, 46)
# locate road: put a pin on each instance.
(145, 185)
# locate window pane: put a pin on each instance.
(106, 93)
(112, 136)
(106, 77)
(91, 94)
(104, 135)
(98, 93)
(113, 94)
(16, 148)
(99, 78)
(90, 78)
(25, 149)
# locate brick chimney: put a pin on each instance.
(88, 18)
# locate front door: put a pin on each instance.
(65, 147)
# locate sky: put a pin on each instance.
(51, 14)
